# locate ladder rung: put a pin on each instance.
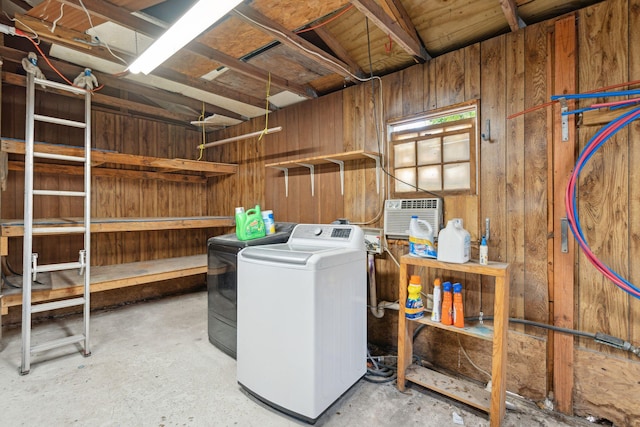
(58, 230)
(55, 305)
(59, 193)
(57, 343)
(59, 121)
(58, 157)
(58, 267)
(61, 86)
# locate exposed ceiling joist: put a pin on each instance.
(68, 38)
(121, 16)
(106, 100)
(71, 71)
(252, 71)
(408, 40)
(208, 86)
(338, 49)
(396, 10)
(294, 41)
(510, 10)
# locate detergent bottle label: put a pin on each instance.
(414, 308)
(422, 247)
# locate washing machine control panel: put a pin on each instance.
(333, 234)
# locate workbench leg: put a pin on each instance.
(405, 343)
(499, 359)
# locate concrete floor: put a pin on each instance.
(152, 365)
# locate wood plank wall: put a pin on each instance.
(609, 209)
(508, 74)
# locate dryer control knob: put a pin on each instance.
(317, 231)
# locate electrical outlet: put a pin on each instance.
(373, 240)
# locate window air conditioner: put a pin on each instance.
(398, 213)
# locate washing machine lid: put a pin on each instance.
(284, 253)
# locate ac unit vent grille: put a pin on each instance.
(420, 204)
(398, 213)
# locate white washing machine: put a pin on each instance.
(302, 324)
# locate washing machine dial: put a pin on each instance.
(317, 231)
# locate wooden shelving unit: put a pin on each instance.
(107, 163)
(463, 391)
(338, 158)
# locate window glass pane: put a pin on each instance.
(457, 176)
(429, 178)
(404, 154)
(407, 175)
(429, 151)
(456, 147)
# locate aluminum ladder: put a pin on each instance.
(30, 260)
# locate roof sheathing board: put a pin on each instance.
(446, 25)
(76, 19)
(351, 29)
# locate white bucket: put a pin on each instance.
(421, 239)
(454, 243)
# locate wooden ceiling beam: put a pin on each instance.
(70, 71)
(408, 40)
(510, 10)
(250, 70)
(106, 100)
(396, 10)
(121, 16)
(68, 40)
(293, 41)
(338, 49)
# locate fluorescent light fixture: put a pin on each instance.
(197, 19)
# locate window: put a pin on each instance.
(435, 152)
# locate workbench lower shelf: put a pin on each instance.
(460, 390)
(62, 284)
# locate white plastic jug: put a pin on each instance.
(421, 239)
(454, 243)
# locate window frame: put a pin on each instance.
(474, 157)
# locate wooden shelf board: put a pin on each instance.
(317, 160)
(461, 390)
(68, 283)
(496, 269)
(15, 227)
(101, 157)
(476, 330)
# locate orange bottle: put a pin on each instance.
(447, 304)
(458, 307)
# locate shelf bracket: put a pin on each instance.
(311, 173)
(341, 164)
(564, 108)
(286, 180)
(377, 159)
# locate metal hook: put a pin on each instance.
(486, 136)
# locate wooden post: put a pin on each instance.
(405, 344)
(563, 263)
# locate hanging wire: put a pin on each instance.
(266, 110)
